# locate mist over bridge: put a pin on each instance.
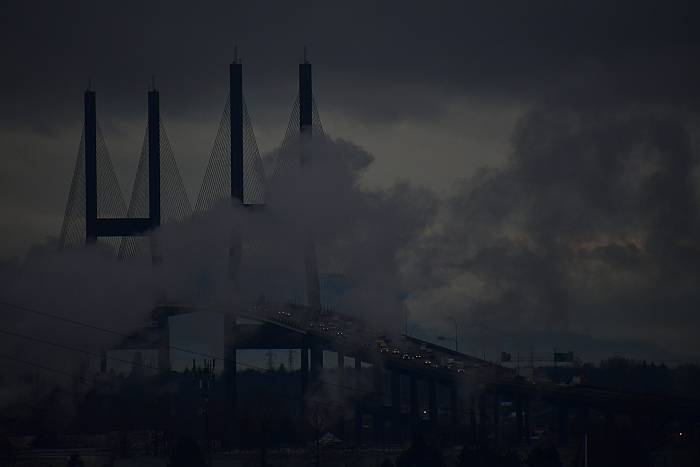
(399, 364)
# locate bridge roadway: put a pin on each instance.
(474, 384)
(432, 363)
(353, 337)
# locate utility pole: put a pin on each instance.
(405, 319)
(204, 377)
(456, 336)
(454, 321)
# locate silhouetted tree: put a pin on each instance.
(618, 447)
(75, 461)
(472, 456)
(318, 420)
(544, 457)
(8, 452)
(420, 454)
(187, 453)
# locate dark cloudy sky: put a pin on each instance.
(560, 137)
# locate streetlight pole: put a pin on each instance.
(456, 332)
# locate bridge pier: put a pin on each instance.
(496, 420)
(526, 417)
(230, 377)
(358, 406)
(378, 381)
(454, 408)
(304, 372)
(482, 419)
(563, 422)
(396, 404)
(472, 418)
(341, 365)
(316, 361)
(414, 409)
(378, 428)
(432, 402)
(519, 418)
(583, 414)
(377, 418)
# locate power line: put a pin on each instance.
(46, 368)
(84, 380)
(75, 349)
(171, 347)
(106, 330)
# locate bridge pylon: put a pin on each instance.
(313, 288)
(96, 207)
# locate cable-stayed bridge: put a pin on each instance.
(97, 211)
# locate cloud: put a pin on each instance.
(591, 223)
(591, 227)
(358, 234)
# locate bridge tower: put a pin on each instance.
(120, 226)
(154, 157)
(313, 289)
(90, 132)
(236, 127)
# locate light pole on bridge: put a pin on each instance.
(456, 337)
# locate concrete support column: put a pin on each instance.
(377, 418)
(230, 377)
(164, 346)
(563, 421)
(472, 418)
(316, 362)
(341, 364)
(526, 416)
(454, 407)
(378, 428)
(345, 392)
(584, 417)
(396, 404)
(304, 371)
(358, 407)
(358, 373)
(482, 419)
(519, 418)
(378, 381)
(413, 395)
(231, 385)
(432, 402)
(496, 419)
(358, 425)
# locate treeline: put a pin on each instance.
(627, 374)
